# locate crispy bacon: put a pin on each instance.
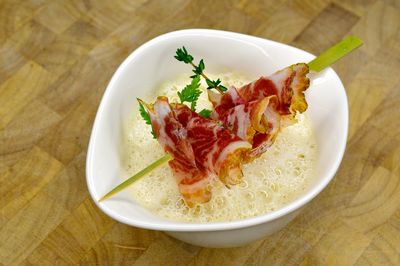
(256, 121)
(253, 111)
(201, 149)
(245, 122)
(224, 102)
(262, 140)
(287, 84)
(215, 148)
(192, 179)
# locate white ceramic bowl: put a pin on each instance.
(153, 63)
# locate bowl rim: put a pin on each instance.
(214, 226)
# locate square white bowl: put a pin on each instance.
(152, 64)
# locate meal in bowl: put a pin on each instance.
(272, 178)
(221, 158)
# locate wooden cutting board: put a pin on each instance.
(56, 58)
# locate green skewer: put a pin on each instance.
(137, 176)
(327, 58)
(335, 53)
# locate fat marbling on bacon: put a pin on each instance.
(201, 149)
(216, 148)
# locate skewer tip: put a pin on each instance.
(355, 39)
(137, 176)
(102, 198)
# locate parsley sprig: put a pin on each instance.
(183, 56)
(191, 94)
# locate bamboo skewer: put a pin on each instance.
(334, 53)
(138, 175)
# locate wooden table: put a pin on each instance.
(56, 58)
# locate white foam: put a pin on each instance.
(270, 182)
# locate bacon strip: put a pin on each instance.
(299, 85)
(222, 103)
(255, 121)
(287, 84)
(271, 122)
(215, 148)
(253, 111)
(201, 149)
(192, 179)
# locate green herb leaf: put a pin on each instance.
(205, 113)
(199, 69)
(215, 84)
(191, 92)
(222, 88)
(193, 105)
(201, 65)
(146, 117)
(144, 114)
(210, 83)
(182, 55)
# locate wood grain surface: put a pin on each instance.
(56, 58)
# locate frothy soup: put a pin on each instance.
(271, 181)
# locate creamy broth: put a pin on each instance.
(278, 177)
